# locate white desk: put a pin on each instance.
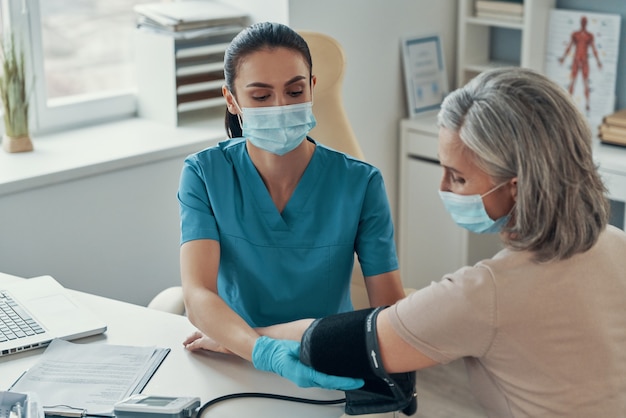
(206, 375)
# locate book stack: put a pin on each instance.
(510, 11)
(613, 128)
(190, 18)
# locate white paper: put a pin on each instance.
(92, 377)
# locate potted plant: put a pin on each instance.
(14, 96)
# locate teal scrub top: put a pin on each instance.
(277, 267)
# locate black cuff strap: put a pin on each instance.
(389, 392)
(347, 345)
(336, 345)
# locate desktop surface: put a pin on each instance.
(205, 375)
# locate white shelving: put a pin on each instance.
(175, 76)
(473, 54)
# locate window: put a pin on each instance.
(81, 55)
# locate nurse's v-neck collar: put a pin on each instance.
(296, 205)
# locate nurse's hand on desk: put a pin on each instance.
(283, 358)
(198, 341)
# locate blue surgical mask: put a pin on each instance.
(278, 129)
(468, 211)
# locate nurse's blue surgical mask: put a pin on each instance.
(278, 129)
(468, 211)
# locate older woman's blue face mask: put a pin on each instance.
(469, 194)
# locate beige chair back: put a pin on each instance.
(333, 127)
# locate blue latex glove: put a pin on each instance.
(283, 358)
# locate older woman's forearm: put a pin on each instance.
(287, 331)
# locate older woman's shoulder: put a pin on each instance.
(510, 264)
(614, 232)
(612, 238)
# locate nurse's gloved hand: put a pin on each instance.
(283, 358)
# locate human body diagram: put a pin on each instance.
(581, 40)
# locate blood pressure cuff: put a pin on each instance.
(347, 345)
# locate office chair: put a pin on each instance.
(333, 127)
(333, 130)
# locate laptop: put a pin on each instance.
(35, 311)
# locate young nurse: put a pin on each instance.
(270, 218)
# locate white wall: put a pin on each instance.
(114, 234)
(265, 10)
(370, 32)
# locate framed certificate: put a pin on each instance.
(425, 76)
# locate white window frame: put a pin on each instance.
(23, 17)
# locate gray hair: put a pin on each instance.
(518, 123)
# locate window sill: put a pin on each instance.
(93, 150)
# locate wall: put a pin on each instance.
(114, 234)
(374, 94)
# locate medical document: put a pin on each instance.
(89, 377)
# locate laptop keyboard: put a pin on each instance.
(15, 322)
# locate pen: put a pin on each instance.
(16, 380)
(63, 412)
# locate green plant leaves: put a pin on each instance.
(13, 90)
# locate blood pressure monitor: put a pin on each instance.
(144, 406)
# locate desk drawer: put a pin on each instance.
(421, 144)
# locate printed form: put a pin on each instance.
(89, 378)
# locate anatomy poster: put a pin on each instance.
(581, 55)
